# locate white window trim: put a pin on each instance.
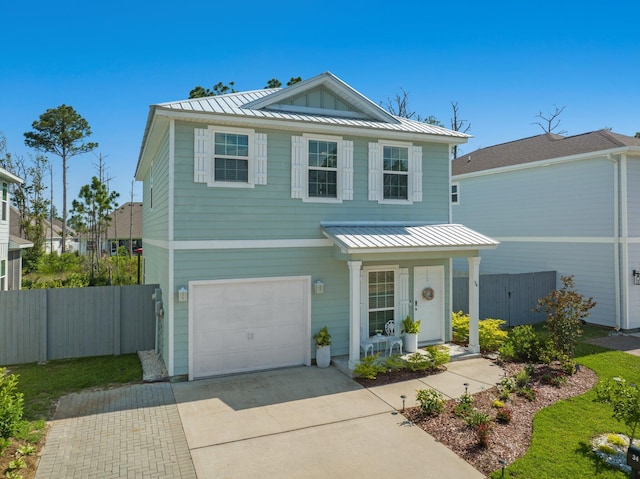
(457, 185)
(412, 175)
(204, 157)
(396, 276)
(250, 158)
(3, 275)
(4, 202)
(300, 169)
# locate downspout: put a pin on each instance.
(449, 194)
(616, 238)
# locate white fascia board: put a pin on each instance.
(150, 143)
(418, 249)
(556, 239)
(298, 126)
(553, 161)
(10, 177)
(185, 245)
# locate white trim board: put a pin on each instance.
(239, 244)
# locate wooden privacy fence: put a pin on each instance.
(510, 297)
(44, 324)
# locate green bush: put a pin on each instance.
(11, 404)
(476, 418)
(419, 362)
(439, 355)
(431, 401)
(504, 415)
(369, 368)
(523, 345)
(490, 334)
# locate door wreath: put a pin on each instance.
(428, 294)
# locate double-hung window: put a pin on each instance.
(455, 193)
(395, 172)
(321, 168)
(381, 299)
(395, 164)
(229, 157)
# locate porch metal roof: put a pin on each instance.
(382, 238)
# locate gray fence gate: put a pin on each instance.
(44, 324)
(510, 297)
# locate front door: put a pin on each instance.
(428, 302)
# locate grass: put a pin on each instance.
(560, 446)
(43, 384)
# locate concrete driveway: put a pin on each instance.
(302, 422)
(310, 422)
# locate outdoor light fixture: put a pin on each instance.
(182, 294)
(318, 287)
(466, 387)
(403, 399)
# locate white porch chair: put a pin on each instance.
(392, 339)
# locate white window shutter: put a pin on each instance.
(375, 172)
(201, 155)
(298, 167)
(260, 161)
(347, 170)
(404, 301)
(417, 174)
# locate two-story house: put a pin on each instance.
(569, 204)
(10, 246)
(269, 214)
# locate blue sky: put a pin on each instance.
(501, 62)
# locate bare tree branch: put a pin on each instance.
(551, 121)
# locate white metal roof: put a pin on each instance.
(234, 104)
(382, 238)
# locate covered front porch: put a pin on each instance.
(399, 270)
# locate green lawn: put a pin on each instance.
(560, 444)
(43, 384)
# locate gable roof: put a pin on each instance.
(126, 221)
(280, 108)
(539, 148)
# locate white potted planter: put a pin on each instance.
(410, 328)
(323, 348)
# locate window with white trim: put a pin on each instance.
(395, 166)
(231, 157)
(321, 168)
(3, 274)
(381, 299)
(455, 193)
(395, 172)
(5, 201)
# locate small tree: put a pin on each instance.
(565, 309)
(624, 398)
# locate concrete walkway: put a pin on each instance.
(290, 423)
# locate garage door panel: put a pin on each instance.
(252, 325)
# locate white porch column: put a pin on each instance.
(474, 303)
(354, 313)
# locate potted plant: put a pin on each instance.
(410, 328)
(323, 348)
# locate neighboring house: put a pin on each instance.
(271, 213)
(10, 245)
(125, 228)
(52, 234)
(568, 204)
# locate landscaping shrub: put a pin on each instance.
(439, 355)
(369, 368)
(419, 362)
(504, 415)
(431, 401)
(490, 334)
(11, 404)
(522, 345)
(565, 309)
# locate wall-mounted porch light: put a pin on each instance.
(318, 287)
(183, 295)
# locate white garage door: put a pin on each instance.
(247, 325)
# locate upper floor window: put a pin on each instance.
(395, 172)
(321, 168)
(231, 157)
(455, 193)
(395, 163)
(5, 201)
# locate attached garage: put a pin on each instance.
(248, 324)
